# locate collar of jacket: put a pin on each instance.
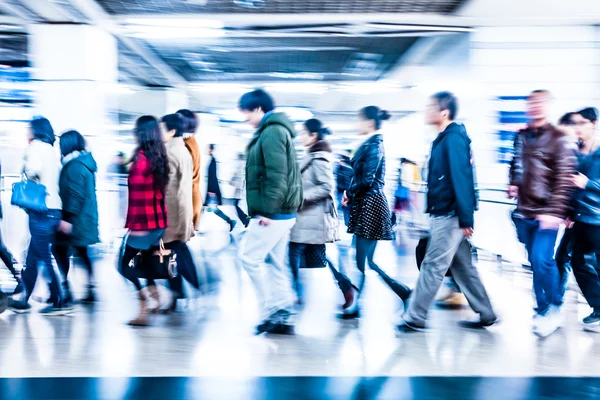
(540, 130)
(450, 128)
(71, 156)
(321, 145)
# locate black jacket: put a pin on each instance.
(343, 175)
(368, 165)
(77, 189)
(451, 180)
(213, 180)
(586, 202)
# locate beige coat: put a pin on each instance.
(180, 210)
(317, 221)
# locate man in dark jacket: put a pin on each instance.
(540, 177)
(274, 194)
(213, 188)
(451, 202)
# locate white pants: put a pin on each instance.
(263, 253)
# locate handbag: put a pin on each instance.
(29, 195)
(332, 220)
(161, 264)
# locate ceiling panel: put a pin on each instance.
(333, 58)
(280, 6)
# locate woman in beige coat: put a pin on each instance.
(317, 221)
(179, 201)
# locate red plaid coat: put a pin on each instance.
(146, 209)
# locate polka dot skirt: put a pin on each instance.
(370, 217)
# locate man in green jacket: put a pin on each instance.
(274, 194)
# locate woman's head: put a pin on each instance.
(371, 119)
(254, 105)
(71, 141)
(566, 123)
(313, 132)
(41, 130)
(585, 122)
(190, 120)
(150, 141)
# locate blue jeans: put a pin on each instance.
(42, 227)
(345, 211)
(540, 249)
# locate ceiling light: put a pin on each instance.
(297, 75)
(297, 87)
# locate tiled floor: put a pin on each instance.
(212, 340)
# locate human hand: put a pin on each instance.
(468, 232)
(262, 221)
(549, 222)
(513, 191)
(345, 200)
(580, 181)
(65, 227)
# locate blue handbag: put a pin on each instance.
(29, 195)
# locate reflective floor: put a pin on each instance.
(212, 339)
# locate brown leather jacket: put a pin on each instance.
(542, 166)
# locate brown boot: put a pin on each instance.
(142, 318)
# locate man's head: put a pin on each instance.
(211, 149)
(254, 105)
(585, 122)
(442, 108)
(172, 125)
(538, 105)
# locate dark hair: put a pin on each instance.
(71, 141)
(447, 101)
(589, 113)
(174, 122)
(190, 120)
(373, 113)
(257, 99)
(151, 143)
(211, 146)
(566, 119)
(316, 127)
(42, 130)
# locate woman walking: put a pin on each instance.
(146, 211)
(370, 216)
(190, 120)
(79, 226)
(42, 166)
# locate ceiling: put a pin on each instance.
(253, 49)
(116, 7)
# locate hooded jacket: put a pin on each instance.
(586, 202)
(451, 178)
(77, 189)
(317, 221)
(273, 180)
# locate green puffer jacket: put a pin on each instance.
(273, 179)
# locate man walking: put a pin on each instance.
(540, 177)
(451, 202)
(274, 194)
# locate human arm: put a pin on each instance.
(370, 160)
(274, 144)
(322, 182)
(460, 165)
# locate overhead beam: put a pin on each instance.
(101, 18)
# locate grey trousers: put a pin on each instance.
(447, 247)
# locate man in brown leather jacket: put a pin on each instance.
(540, 175)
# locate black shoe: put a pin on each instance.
(592, 318)
(89, 299)
(232, 225)
(281, 329)
(4, 299)
(279, 317)
(18, 306)
(478, 324)
(405, 327)
(349, 316)
(265, 326)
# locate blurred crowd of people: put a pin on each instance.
(291, 210)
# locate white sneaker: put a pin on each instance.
(547, 324)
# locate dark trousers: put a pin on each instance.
(185, 266)
(241, 214)
(42, 227)
(540, 249)
(62, 255)
(7, 259)
(131, 273)
(586, 239)
(563, 261)
(365, 251)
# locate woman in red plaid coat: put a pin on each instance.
(146, 211)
